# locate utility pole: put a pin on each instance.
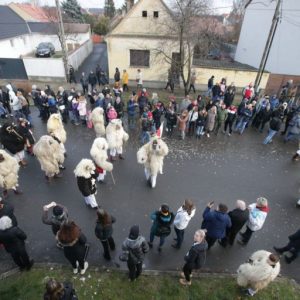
(62, 39)
(268, 46)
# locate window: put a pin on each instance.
(155, 14)
(144, 14)
(139, 58)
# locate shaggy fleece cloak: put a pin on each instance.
(50, 155)
(9, 169)
(99, 154)
(257, 273)
(153, 160)
(115, 134)
(98, 121)
(55, 127)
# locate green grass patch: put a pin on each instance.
(114, 285)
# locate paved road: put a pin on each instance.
(98, 56)
(220, 169)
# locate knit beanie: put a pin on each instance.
(57, 211)
(134, 232)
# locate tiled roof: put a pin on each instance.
(222, 64)
(11, 25)
(35, 12)
(52, 28)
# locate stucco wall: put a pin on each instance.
(284, 53)
(134, 23)
(240, 78)
(119, 56)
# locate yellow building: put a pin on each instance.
(131, 44)
(135, 41)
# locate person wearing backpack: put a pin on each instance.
(104, 231)
(195, 258)
(136, 247)
(161, 227)
(56, 290)
(275, 125)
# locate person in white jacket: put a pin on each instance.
(14, 101)
(257, 215)
(184, 215)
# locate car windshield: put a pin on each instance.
(43, 45)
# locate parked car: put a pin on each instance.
(44, 50)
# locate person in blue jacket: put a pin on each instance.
(215, 222)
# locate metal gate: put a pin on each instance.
(12, 68)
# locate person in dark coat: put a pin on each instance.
(293, 246)
(157, 112)
(7, 209)
(119, 107)
(73, 241)
(59, 216)
(92, 79)
(84, 83)
(72, 77)
(13, 240)
(239, 216)
(117, 75)
(136, 247)
(171, 118)
(142, 102)
(161, 227)
(229, 95)
(216, 222)
(195, 258)
(104, 231)
(25, 131)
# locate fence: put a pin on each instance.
(12, 68)
(44, 68)
(77, 57)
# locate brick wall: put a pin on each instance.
(276, 81)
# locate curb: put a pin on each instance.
(174, 273)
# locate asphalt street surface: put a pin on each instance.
(98, 56)
(221, 169)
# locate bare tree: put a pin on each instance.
(190, 30)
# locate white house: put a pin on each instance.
(284, 54)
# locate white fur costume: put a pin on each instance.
(9, 169)
(86, 168)
(99, 154)
(55, 128)
(50, 155)
(257, 273)
(98, 121)
(116, 135)
(151, 155)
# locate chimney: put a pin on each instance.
(129, 4)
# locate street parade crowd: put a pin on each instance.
(105, 110)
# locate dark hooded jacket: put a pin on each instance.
(196, 256)
(215, 222)
(7, 209)
(13, 239)
(136, 248)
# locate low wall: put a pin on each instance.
(44, 68)
(77, 57)
(239, 77)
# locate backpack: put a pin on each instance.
(70, 293)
